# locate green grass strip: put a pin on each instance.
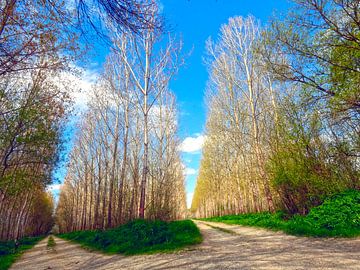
(9, 253)
(338, 216)
(51, 242)
(220, 229)
(139, 237)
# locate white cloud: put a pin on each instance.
(192, 144)
(189, 197)
(54, 187)
(190, 171)
(82, 87)
(78, 83)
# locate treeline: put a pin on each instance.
(32, 108)
(39, 46)
(125, 162)
(283, 111)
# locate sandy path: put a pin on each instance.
(246, 248)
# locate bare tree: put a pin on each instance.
(110, 148)
(241, 101)
(151, 69)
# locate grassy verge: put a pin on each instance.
(51, 243)
(8, 252)
(338, 216)
(139, 237)
(221, 229)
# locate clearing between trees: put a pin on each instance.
(231, 247)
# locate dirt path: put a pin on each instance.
(244, 248)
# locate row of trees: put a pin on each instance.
(125, 162)
(283, 111)
(38, 41)
(32, 108)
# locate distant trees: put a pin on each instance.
(242, 112)
(125, 162)
(283, 120)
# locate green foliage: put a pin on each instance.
(344, 74)
(34, 109)
(321, 52)
(317, 136)
(302, 181)
(9, 253)
(139, 236)
(308, 164)
(338, 216)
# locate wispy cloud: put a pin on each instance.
(54, 187)
(190, 171)
(192, 144)
(78, 83)
(82, 87)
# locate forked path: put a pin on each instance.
(244, 248)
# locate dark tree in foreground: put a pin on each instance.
(133, 16)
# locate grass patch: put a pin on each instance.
(9, 253)
(220, 229)
(51, 242)
(338, 216)
(139, 237)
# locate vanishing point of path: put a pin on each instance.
(239, 248)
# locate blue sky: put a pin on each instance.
(194, 21)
